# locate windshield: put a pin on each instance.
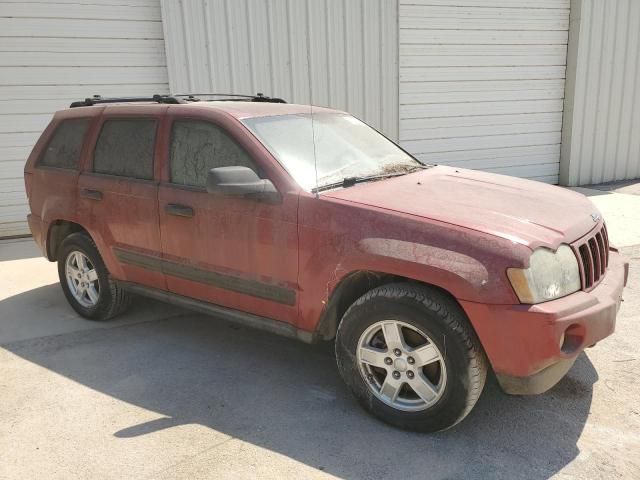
(344, 147)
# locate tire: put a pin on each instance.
(455, 370)
(106, 299)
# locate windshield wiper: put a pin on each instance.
(351, 181)
(344, 183)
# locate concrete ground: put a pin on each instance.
(166, 393)
(619, 203)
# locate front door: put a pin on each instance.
(235, 252)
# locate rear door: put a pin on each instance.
(118, 194)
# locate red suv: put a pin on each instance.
(306, 222)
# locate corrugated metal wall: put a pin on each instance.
(601, 135)
(336, 53)
(55, 52)
(482, 83)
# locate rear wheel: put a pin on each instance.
(410, 357)
(85, 280)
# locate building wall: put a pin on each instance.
(601, 135)
(336, 53)
(482, 83)
(474, 83)
(55, 52)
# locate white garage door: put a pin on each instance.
(482, 83)
(55, 52)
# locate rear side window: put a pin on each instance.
(125, 148)
(197, 147)
(64, 148)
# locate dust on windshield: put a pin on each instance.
(335, 147)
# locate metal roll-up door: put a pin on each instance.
(55, 52)
(482, 83)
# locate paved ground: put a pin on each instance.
(166, 393)
(619, 203)
(631, 187)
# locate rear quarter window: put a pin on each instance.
(125, 148)
(65, 146)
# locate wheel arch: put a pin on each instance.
(355, 284)
(58, 231)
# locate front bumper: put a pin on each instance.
(531, 347)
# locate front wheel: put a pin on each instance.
(410, 357)
(85, 280)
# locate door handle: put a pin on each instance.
(92, 194)
(179, 210)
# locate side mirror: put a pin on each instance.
(241, 181)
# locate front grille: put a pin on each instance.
(593, 253)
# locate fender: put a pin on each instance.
(55, 231)
(338, 240)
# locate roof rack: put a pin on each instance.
(97, 99)
(258, 97)
(175, 99)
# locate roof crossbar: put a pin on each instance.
(175, 99)
(259, 97)
(97, 99)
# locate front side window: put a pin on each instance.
(65, 146)
(197, 147)
(125, 148)
(324, 148)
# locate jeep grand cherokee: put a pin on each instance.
(309, 223)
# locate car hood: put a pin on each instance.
(524, 211)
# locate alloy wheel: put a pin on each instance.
(401, 365)
(82, 279)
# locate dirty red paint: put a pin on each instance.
(452, 228)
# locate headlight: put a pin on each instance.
(550, 275)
